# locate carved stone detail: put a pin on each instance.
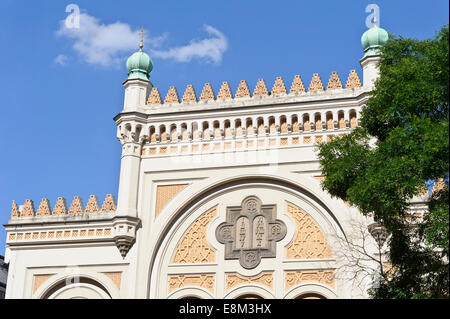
(234, 279)
(242, 90)
(189, 94)
(172, 96)
(207, 93)
(125, 233)
(44, 208)
(261, 88)
(116, 278)
(60, 207)
(353, 80)
(278, 86)
(225, 91)
(109, 204)
(197, 280)
(77, 206)
(165, 193)
(27, 209)
(14, 210)
(193, 246)
(250, 232)
(316, 83)
(309, 240)
(38, 280)
(154, 97)
(92, 205)
(294, 278)
(297, 85)
(334, 82)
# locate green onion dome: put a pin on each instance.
(139, 65)
(373, 39)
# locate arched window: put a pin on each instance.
(283, 125)
(329, 121)
(306, 126)
(228, 129)
(238, 128)
(272, 127)
(295, 123)
(184, 132)
(249, 125)
(341, 120)
(206, 135)
(173, 133)
(217, 133)
(152, 134)
(318, 121)
(353, 122)
(162, 133)
(261, 130)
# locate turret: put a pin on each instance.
(372, 40)
(138, 85)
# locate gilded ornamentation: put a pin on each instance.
(39, 280)
(207, 93)
(260, 88)
(353, 80)
(316, 83)
(193, 246)
(172, 96)
(154, 97)
(109, 204)
(334, 82)
(309, 241)
(14, 210)
(234, 279)
(225, 91)
(197, 280)
(165, 193)
(278, 86)
(60, 207)
(77, 206)
(297, 85)
(189, 94)
(92, 205)
(294, 278)
(242, 90)
(27, 209)
(44, 208)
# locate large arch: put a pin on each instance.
(76, 288)
(306, 187)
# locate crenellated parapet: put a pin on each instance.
(78, 223)
(27, 210)
(297, 87)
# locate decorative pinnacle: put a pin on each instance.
(142, 32)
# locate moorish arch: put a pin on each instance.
(188, 254)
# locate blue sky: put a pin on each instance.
(60, 90)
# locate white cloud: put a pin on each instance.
(61, 59)
(210, 49)
(110, 44)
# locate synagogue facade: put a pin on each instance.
(219, 197)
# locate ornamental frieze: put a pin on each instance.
(250, 232)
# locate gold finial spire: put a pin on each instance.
(142, 32)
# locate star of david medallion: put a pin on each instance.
(250, 232)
